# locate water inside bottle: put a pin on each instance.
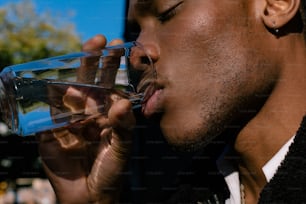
(41, 103)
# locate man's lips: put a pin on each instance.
(151, 102)
(149, 91)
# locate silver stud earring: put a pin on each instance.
(276, 30)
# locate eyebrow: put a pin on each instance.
(141, 5)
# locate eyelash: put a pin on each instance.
(168, 14)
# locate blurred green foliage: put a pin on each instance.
(27, 35)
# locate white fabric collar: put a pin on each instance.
(272, 165)
(231, 174)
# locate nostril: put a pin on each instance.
(140, 60)
(145, 60)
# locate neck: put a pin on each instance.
(274, 125)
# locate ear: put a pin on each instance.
(278, 13)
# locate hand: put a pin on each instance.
(84, 161)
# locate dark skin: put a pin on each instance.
(215, 61)
(83, 158)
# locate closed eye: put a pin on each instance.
(169, 13)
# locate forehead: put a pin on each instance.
(141, 2)
(144, 6)
(140, 5)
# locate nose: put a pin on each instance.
(142, 70)
(143, 56)
(151, 50)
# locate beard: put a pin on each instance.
(196, 140)
(220, 126)
(226, 110)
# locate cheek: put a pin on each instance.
(198, 22)
(184, 32)
(205, 92)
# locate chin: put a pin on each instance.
(194, 132)
(197, 137)
(189, 141)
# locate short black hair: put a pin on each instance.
(303, 15)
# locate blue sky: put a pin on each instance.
(90, 16)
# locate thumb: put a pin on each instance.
(121, 116)
(122, 121)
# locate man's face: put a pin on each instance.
(210, 64)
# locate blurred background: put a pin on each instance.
(33, 29)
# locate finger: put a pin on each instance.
(122, 121)
(115, 42)
(57, 155)
(68, 140)
(74, 100)
(87, 71)
(112, 157)
(95, 43)
(121, 116)
(110, 65)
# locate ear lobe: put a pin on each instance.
(278, 13)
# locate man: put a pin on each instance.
(234, 69)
